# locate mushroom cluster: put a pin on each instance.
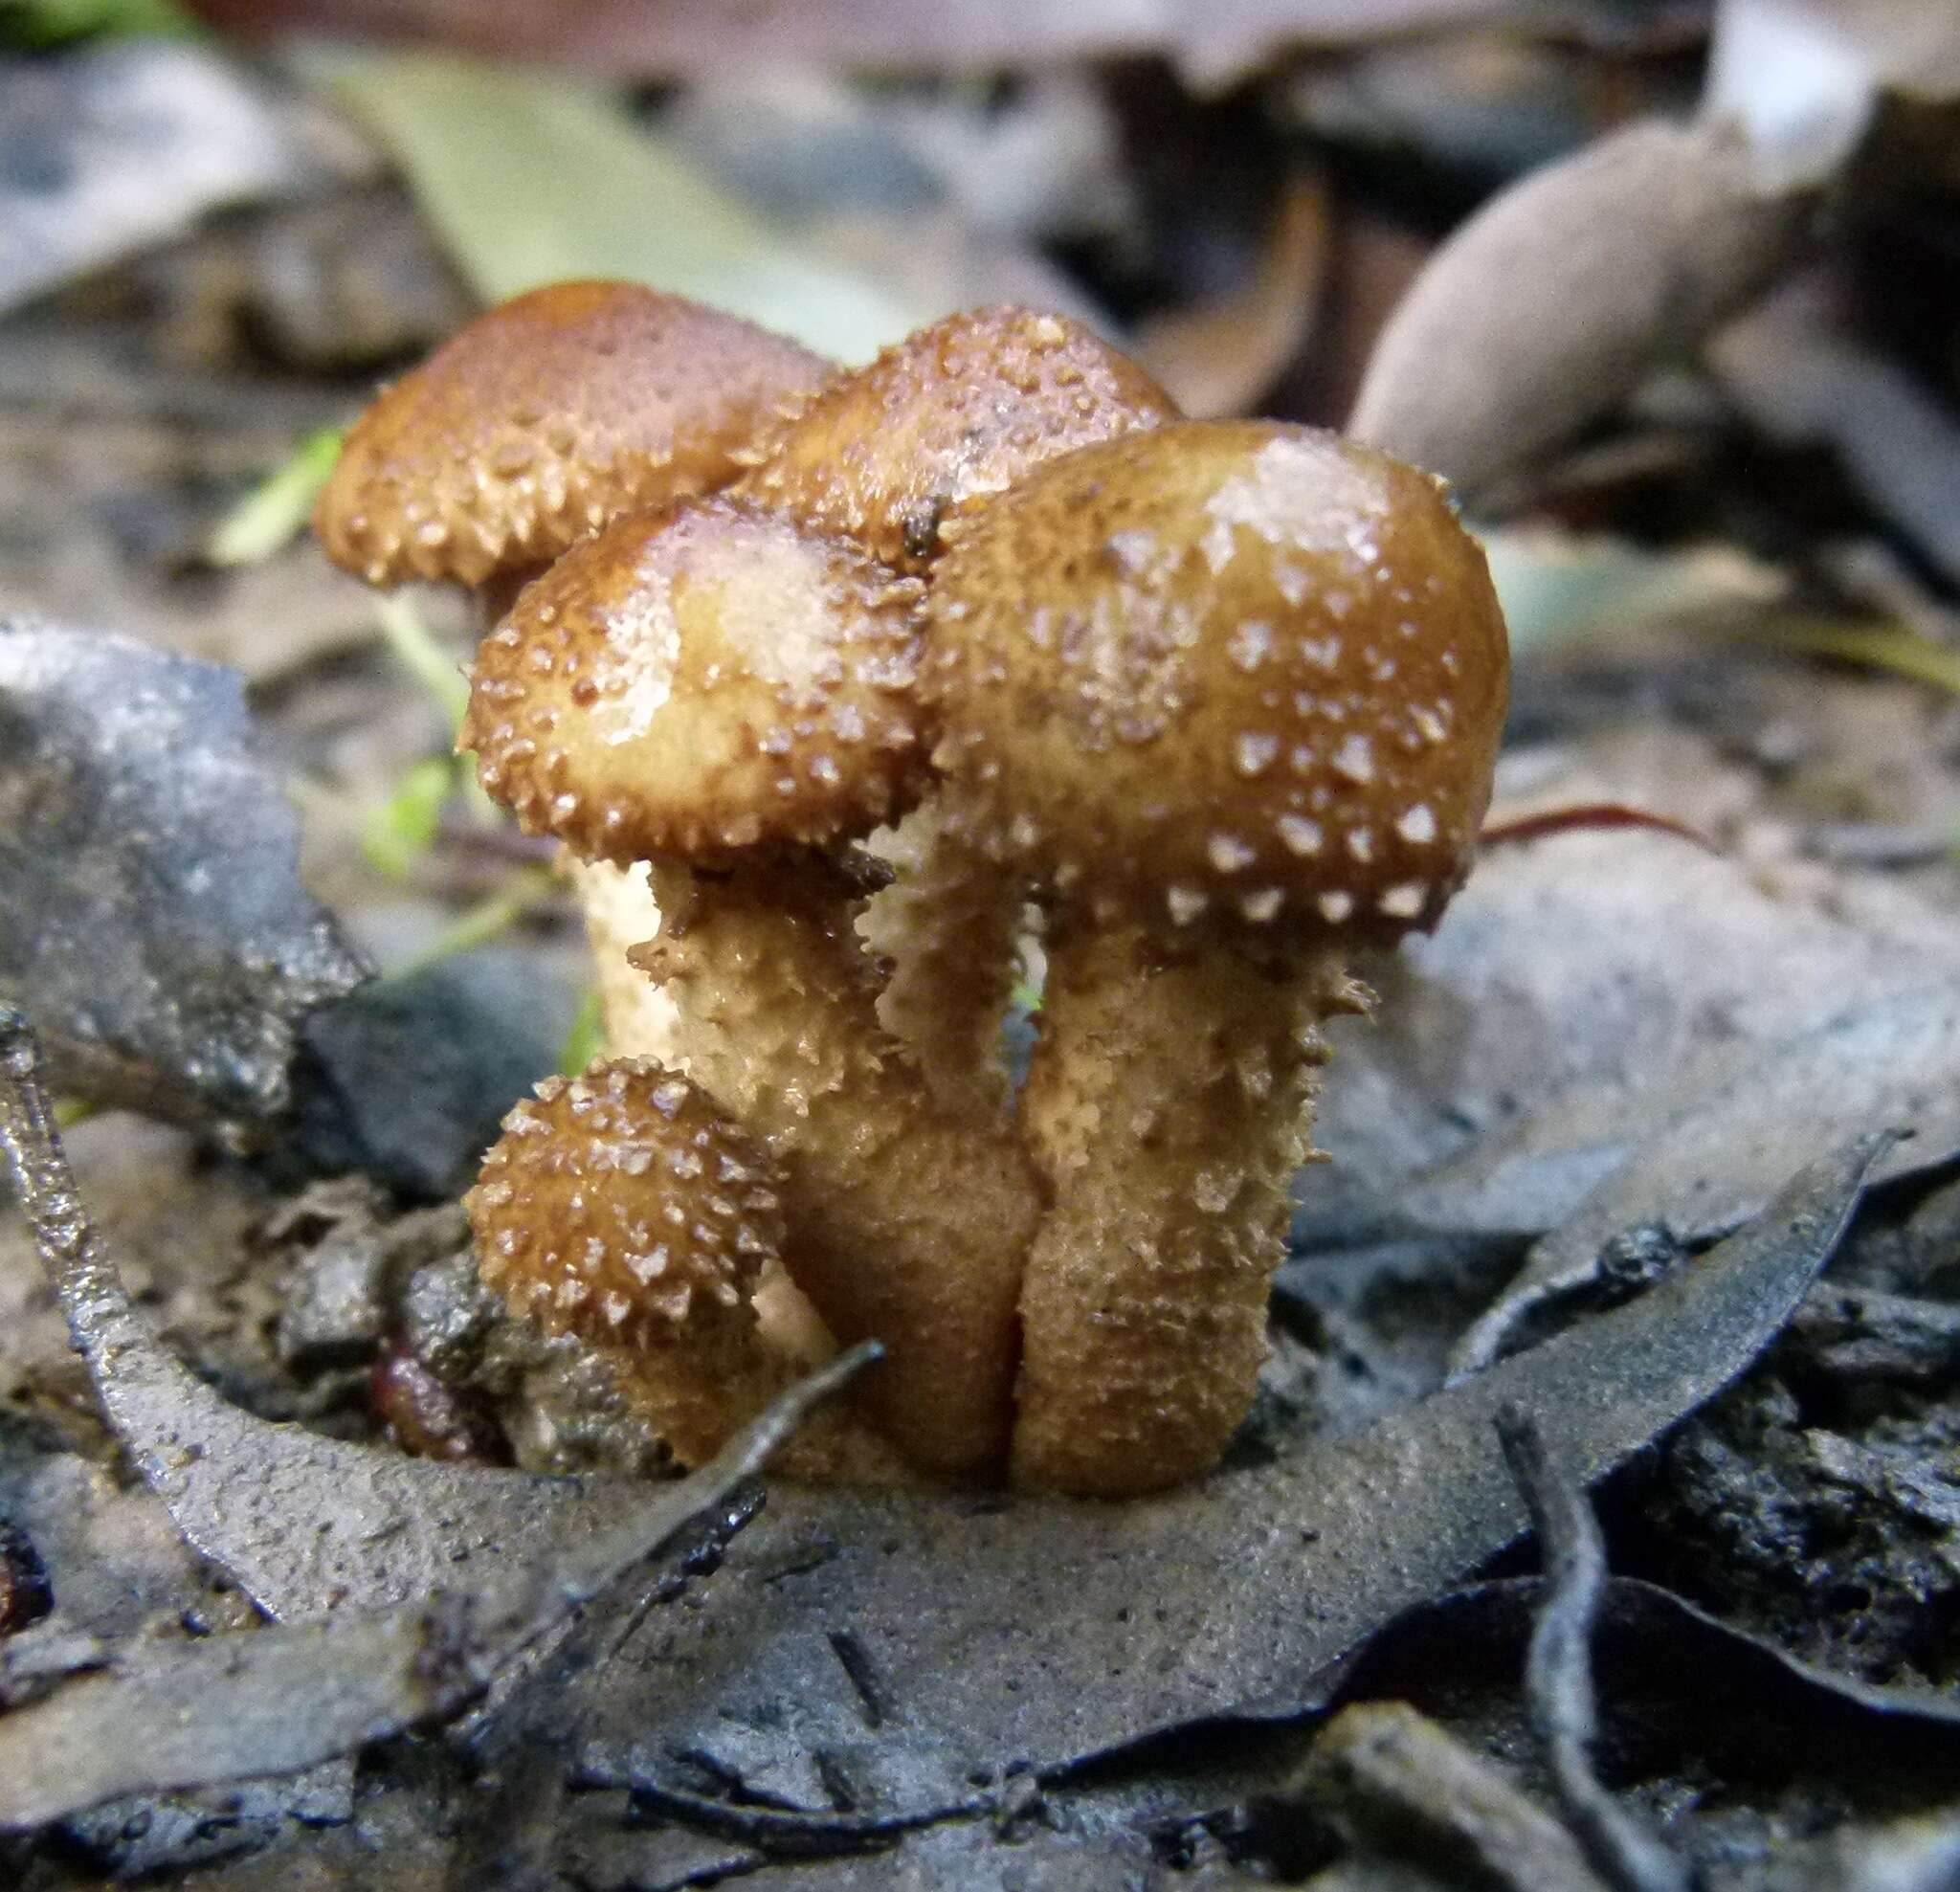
(866, 671)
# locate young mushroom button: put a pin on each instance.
(1231, 693)
(700, 684)
(620, 1208)
(891, 453)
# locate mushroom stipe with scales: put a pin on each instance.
(1220, 699)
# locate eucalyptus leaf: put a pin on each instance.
(529, 179)
(1699, 1155)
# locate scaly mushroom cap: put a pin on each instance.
(621, 1206)
(943, 420)
(1232, 676)
(550, 414)
(697, 683)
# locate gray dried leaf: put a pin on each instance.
(1571, 978)
(151, 914)
(1699, 1155)
(996, 1632)
(161, 1717)
(164, 1716)
(1565, 291)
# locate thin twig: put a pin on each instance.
(1558, 1672)
(789, 1830)
(99, 1314)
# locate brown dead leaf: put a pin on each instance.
(1220, 357)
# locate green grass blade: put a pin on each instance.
(397, 834)
(274, 513)
(424, 659)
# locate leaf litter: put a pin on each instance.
(962, 1606)
(1557, 1054)
(1580, 993)
(1702, 1156)
(121, 1727)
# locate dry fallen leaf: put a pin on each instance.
(151, 915)
(1559, 296)
(1589, 964)
(1698, 1150)
(158, 1715)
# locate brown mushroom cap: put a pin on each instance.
(546, 417)
(621, 1206)
(943, 420)
(1225, 673)
(700, 682)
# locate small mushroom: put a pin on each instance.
(543, 420)
(1231, 693)
(940, 422)
(549, 415)
(621, 1208)
(731, 696)
(892, 455)
(699, 685)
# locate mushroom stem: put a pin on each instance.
(698, 1396)
(909, 1226)
(1168, 1107)
(619, 913)
(948, 929)
(641, 1021)
(700, 1383)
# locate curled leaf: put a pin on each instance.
(1560, 293)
